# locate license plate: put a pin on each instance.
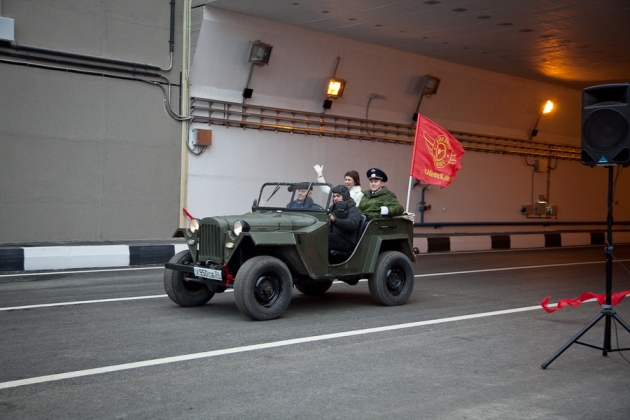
(208, 273)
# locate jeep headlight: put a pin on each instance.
(240, 226)
(193, 226)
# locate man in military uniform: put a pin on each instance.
(378, 201)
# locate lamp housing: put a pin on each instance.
(335, 87)
(430, 85)
(259, 53)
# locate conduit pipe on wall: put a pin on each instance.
(257, 117)
(92, 58)
(185, 109)
(25, 56)
(165, 90)
(58, 53)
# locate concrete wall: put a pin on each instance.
(489, 188)
(85, 157)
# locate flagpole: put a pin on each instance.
(408, 194)
(413, 158)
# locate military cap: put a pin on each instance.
(376, 173)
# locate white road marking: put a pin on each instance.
(451, 273)
(254, 347)
(234, 350)
(104, 270)
(79, 302)
(527, 267)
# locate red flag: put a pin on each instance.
(615, 299)
(436, 154)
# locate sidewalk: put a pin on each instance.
(72, 255)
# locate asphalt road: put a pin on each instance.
(468, 345)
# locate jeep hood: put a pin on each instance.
(269, 222)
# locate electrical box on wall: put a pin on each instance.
(201, 137)
(539, 209)
(7, 29)
(541, 165)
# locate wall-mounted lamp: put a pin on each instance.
(428, 86)
(259, 54)
(546, 109)
(334, 87)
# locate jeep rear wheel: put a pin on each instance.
(181, 291)
(262, 288)
(391, 283)
(315, 288)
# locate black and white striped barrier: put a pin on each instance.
(98, 256)
(514, 241)
(93, 256)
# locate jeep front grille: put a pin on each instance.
(210, 242)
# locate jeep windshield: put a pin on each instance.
(294, 196)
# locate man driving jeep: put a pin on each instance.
(303, 199)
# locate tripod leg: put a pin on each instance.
(606, 347)
(573, 340)
(621, 321)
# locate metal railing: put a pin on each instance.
(257, 117)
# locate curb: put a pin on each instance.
(96, 256)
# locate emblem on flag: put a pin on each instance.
(440, 150)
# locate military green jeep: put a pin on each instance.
(284, 243)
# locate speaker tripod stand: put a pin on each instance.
(608, 313)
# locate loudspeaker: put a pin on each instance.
(606, 125)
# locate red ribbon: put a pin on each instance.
(187, 214)
(615, 298)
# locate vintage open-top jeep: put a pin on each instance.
(264, 253)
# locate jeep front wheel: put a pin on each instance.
(181, 291)
(262, 288)
(391, 283)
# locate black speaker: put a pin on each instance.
(606, 125)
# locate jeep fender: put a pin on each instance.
(376, 245)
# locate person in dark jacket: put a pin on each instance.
(378, 201)
(345, 221)
(303, 199)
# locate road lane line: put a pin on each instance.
(451, 273)
(105, 270)
(254, 347)
(526, 267)
(79, 302)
